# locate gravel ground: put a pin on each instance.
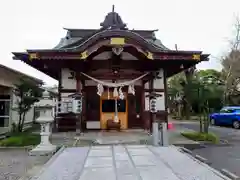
(14, 163)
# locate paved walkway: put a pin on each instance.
(130, 162)
(135, 137)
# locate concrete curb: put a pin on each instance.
(225, 172)
(229, 174)
(186, 150)
(42, 168)
(215, 171)
(198, 157)
(202, 159)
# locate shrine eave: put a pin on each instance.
(63, 55)
(65, 51)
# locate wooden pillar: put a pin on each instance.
(143, 118)
(147, 115)
(78, 82)
(166, 95)
(152, 115)
(84, 104)
(79, 128)
(59, 98)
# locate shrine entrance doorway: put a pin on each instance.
(108, 107)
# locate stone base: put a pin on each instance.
(43, 150)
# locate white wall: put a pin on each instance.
(66, 82)
(9, 79)
(14, 114)
(65, 96)
(160, 102)
(157, 84)
(147, 107)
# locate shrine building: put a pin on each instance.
(117, 71)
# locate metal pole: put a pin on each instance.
(164, 134)
(155, 131)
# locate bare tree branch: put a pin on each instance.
(231, 63)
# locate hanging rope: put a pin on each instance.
(115, 85)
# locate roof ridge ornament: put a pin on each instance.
(113, 21)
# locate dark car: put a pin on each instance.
(229, 115)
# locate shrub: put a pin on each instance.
(14, 128)
(21, 139)
(197, 136)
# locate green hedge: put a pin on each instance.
(21, 139)
(197, 136)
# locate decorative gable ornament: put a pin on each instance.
(113, 21)
(117, 50)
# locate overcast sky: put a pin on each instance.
(191, 24)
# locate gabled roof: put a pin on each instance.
(14, 71)
(111, 22)
(87, 43)
(76, 36)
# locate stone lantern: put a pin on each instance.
(45, 119)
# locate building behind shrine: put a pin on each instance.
(111, 63)
(9, 78)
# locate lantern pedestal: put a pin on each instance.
(45, 147)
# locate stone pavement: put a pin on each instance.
(114, 137)
(14, 163)
(63, 138)
(126, 162)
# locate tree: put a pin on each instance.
(209, 95)
(231, 68)
(179, 90)
(189, 73)
(175, 94)
(201, 94)
(214, 82)
(27, 93)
